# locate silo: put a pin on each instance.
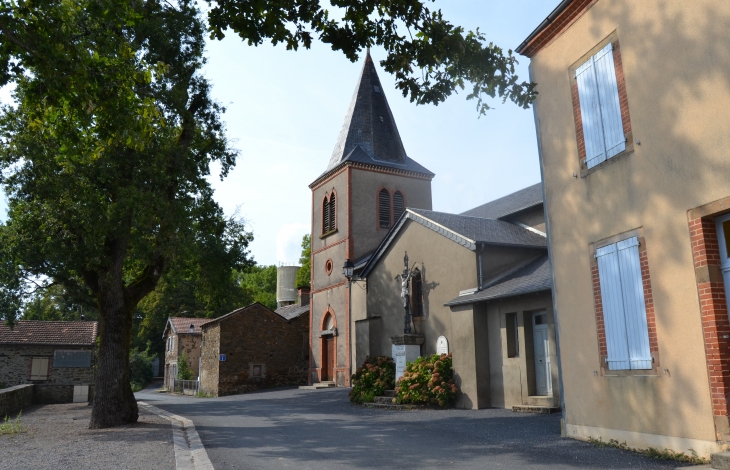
(286, 285)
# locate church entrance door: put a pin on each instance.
(328, 358)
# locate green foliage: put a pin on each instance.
(202, 394)
(259, 284)
(376, 375)
(305, 261)
(10, 427)
(184, 370)
(430, 57)
(428, 380)
(57, 304)
(140, 369)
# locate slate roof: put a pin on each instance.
(481, 230)
(369, 134)
(243, 309)
(182, 325)
(290, 312)
(533, 277)
(510, 204)
(72, 333)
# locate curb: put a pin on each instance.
(190, 453)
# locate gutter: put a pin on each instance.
(550, 18)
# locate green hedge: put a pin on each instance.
(376, 375)
(428, 380)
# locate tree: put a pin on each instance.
(184, 370)
(259, 283)
(430, 57)
(304, 275)
(104, 160)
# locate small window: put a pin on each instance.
(329, 214)
(39, 368)
(513, 336)
(257, 371)
(399, 205)
(384, 208)
(71, 358)
(416, 294)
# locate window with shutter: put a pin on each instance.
(624, 310)
(325, 216)
(384, 208)
(332, 213)
(39, 368)
(600, 108)
(417, 294)
(398, 205)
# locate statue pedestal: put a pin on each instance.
(406, 348)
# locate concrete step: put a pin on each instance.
(536, 409)
(385, 400)
(392, 406)
(317, 386)
(720, 460)
(390, 393)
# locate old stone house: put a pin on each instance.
(255, 347)
(632, 128)
(182, 334)
(57, 357)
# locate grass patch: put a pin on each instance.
(136, 387)
(652, 453)
(202, 394)
(11, 427)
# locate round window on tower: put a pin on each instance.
(328, 267)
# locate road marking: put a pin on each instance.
(190, 453)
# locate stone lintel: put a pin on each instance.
(415, 340)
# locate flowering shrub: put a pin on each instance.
(376, 375)
(428, 380)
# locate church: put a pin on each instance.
(475, 284)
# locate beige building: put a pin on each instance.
(481, 287)
(182, 334)
(632, 123)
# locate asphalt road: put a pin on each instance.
(320, 429)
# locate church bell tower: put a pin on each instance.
(367, 185)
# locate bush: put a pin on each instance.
(140, 369)
(376, 375)
(184, 371)
(428, 380)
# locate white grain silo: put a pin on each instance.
(286, 285)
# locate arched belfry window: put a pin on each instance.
(399, 205)
(384, 208)
(329, 214)
(417, 294)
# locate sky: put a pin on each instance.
(285, 110)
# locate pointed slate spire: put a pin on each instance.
(369, 124)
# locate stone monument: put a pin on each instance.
(406, 347)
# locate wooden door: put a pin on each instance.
(331, 355)
(542, 354)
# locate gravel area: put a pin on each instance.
(58, 437)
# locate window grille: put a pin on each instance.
(384, 208)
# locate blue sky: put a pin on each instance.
(285, 110)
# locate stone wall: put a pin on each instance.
(15, 363)
(14, 399)
(256, 337)
(209, 351)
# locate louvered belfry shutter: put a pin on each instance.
(590, 113)
(333, 213)
(325, 216)
(613, 308)
(637, 330)
(384, 208)
(613, 128)
(398, 205)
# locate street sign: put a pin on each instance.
(223, 357)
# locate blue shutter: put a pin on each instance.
(590, 113)
(637, 330)
(613, 128)
(613, 308)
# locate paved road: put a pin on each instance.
(320, 429)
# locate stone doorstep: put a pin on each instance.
(385, 400)
(393, 406)
(317, 386)
(539, 409)
(720, 460)
(390, 394)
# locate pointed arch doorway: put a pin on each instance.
(328, 347)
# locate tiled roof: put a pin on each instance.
(533, 277)
(290, 312)
(479, 230)
(369, 134)
(50, 332)
(250, 307)
(182, 324)
(510, 204)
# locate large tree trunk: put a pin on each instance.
(114, 403)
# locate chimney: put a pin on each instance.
(303, 294)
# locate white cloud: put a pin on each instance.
(289, 242)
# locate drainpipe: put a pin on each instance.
(563, 430)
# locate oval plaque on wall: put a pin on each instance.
(442, 345)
